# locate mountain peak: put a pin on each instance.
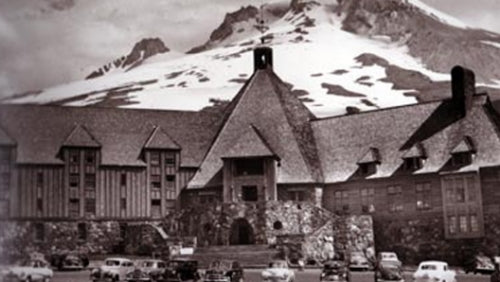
(142, 50)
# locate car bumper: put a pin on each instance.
(359, 267)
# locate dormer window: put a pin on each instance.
(368, 163)
(413, 158)
(462, 153)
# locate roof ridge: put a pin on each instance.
(5, 138)
(315, 170)
(264, 140)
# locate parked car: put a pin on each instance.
(148, 270)
(182, 269)
(69, 261)
(434, 271)
(479, 264)
(113, 269)
(387, 256)
(389, 270)
(278, 271)
(29, 270)
(334, 270)
(224, 271)
(358, 261)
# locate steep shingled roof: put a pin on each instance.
(282, 120)
(80, 137)
(40, 131)
(393, 131)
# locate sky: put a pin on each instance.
(50, 42)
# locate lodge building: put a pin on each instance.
(431, 170)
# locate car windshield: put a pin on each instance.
(428, 267)
(357, 255)
(278, 264)
(148, 264)
(388, 256)
(111, 262)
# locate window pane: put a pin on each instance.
(452, 224)
(474, 225)
(155, 158)
(463, 224)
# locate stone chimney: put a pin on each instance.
(463, 89)
(262, 58)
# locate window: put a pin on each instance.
(296, 195)
(39, 231)
(461, 159)
(123, 204)
(155, 158)
(423, 195)
(39, 206)
(90, 206)
(89, 157)
(366, 169)
(123, 179)
(155, 182)
(249, 193)
(39, 179)
(395, 198)
(170, 160)
(170, 178)
(155, 208)
(74, 180)
(452, 224)
(367, 200)
(341, 201)
(249, 167)
(74, 208)
(82, 231)
(89, 180)
(461, 204)
(412, 164)
(463, 224)
(74, 158)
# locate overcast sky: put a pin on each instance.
(49, 42)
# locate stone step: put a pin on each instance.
(246, 255)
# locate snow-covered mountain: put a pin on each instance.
(338, 56)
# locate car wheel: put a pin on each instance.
(46, 279)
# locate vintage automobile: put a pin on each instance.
(69, 261)
(358, 261)
(29, 270)
(278, 271)
(389, 270)
(334, 270)
(479, 264)
(148, 270)
(113, 269)
(181, 269)
(224, 271)
(387, 256)
(434, 271)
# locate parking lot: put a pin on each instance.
(253, 275)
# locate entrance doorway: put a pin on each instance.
(241, 233)
(249, 193)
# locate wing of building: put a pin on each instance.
(431, 166)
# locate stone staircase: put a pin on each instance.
(246, 255)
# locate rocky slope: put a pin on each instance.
(142, 50)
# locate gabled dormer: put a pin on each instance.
(413, 158)
(369, 161)
(463, 153)
(249, 168)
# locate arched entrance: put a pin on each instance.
(241, 233)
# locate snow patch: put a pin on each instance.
(491, 43)
(445, 18)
